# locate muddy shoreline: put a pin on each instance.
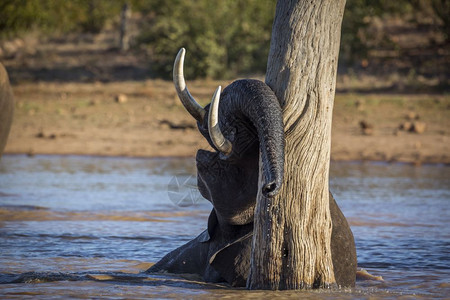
(77, 95)
(146, 119)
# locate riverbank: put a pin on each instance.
(146, 119)
(78, 94)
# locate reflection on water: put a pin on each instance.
(86, 227)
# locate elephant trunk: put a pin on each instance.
(257, 102)
(253, 100)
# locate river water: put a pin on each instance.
(86, 227)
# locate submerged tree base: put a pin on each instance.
(292, 235)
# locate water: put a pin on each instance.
(86, 227)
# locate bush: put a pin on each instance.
(223, 38)
(232, 37)
(357, 16)
(17, 16)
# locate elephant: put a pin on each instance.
(242, 124)
(6, 107)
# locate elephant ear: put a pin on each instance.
(206, 235)
(232, 262)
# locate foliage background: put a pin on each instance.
(224, 38)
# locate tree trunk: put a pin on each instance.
(124, 44)
(292, 231)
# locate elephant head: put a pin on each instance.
(241, 123)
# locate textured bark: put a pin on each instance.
(124, 43)
(292, 231)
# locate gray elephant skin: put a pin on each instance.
(6, 107)
(241, 123)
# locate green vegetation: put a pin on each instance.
(232, 37)
(224, 38)
(17, 16)
(357, 15)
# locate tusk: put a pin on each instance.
(221, 143)
(195, 109)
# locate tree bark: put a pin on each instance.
(292, 231)
(124, 43)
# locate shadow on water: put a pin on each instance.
(187, 281)
(167, 286)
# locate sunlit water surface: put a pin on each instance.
(86, 227)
